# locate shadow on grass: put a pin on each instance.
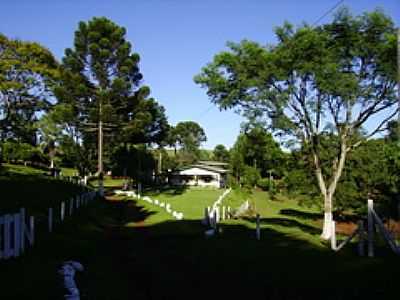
(291, 224)
(301, 214)
(174, 260)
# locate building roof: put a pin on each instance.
(213, 163)
(201, 170)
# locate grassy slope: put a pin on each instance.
(31, 188)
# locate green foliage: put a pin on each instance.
(220, 153)
(13, 151)
(267, 184)
(257, 148)
(188, 135)
(316, 81)
(250, 176)
(101, 82)
(133, 161)
(27, 73)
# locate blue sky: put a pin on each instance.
(175, 38)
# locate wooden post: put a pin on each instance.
(361, 238)
(333, 236)
(22, 229)
(50, 219)
(31, 236)
(71, 206)
(370, 228)
(62, 212)
(17, 235)
(206, 216)
(215, 220)
(258, 232)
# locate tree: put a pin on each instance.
(27, 73)
(100, 82)
(220, 153)
(332, 78)
(189, 135)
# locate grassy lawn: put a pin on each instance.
(134, 250)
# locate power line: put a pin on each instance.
(315, 23)
(327, 13)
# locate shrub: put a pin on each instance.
(265, 184)
(251, 176)
(13, 151)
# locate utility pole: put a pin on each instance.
(100, 150)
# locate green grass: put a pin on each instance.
(285, 216)
(31, 188)
(68, 172)
(109, 182)
(134, 250)
(191, 201)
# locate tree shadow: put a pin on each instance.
(175, 260)
(288, 223)
(301, 214)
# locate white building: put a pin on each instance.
(204, 174)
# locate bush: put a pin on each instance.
(265, 184)
(13, 152)
(251, 176)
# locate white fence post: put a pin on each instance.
(229, 212)
(50, 219)
(370, 228)
(258, 231)
(223, 213)
(333, 236)
(62, 212)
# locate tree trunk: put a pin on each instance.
(328, 217)
(328, 194)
